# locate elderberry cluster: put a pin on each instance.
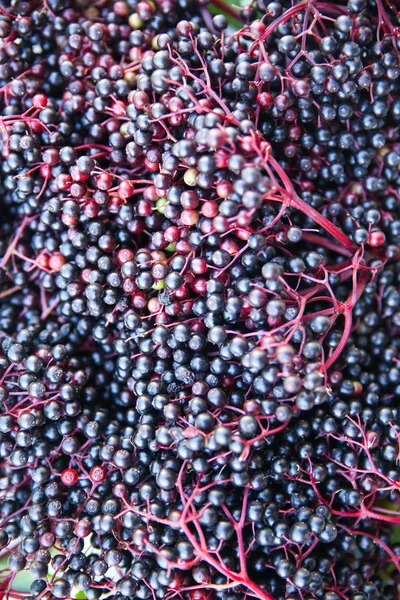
(199, 300)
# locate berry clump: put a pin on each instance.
(199, 300)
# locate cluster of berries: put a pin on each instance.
(199, 300)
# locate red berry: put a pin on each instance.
(198, 266)
(97, 474)
(83, 528)
(125, 189)
(376, 238)
(77, 175)
(124, 255)
(210, 209)
(56, 261)
(39, 101)
(189, 217)
(47, 539)
(257, 29)
(64, 182)
(45, 171)
(69, 477)
(144, 208)
(171, 234)
(104, 181)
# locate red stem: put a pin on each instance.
(348, 323)
(348, 318)
(308, 210)
(326, 243)
(238, 578)
(13, 245)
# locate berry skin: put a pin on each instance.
(376, 238)
(69, 477)
(97, 474)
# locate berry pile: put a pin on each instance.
(199, 300)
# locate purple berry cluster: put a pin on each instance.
(199, 300)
